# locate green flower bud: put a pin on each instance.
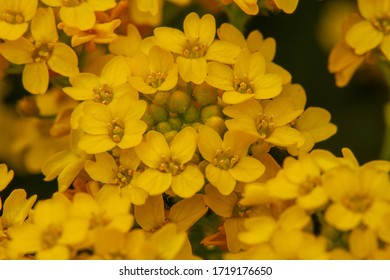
(176, 123)
(148, 119)
(170, 135)
(161, 97)
(205, 94)
(192, 114)
(163, 127)
(178, 102)
(210, 111)
(158, 113)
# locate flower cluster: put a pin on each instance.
(159, 133)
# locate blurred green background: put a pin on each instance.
(357, 109)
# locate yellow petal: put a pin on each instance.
(104, 169)
(153, 149)
(17, 207)
(220, 179)
(183, 146)
(372, 8)
(150, 216)
(188, 182)
(287, 6)
(115, 72)
(187, 212)
(168, 241)
(268, 86)
(385, 46)
(259, 230)
(81, 17)
(286, 136)
(36, 77)
(363, 37)
(247, 169)
(224, 52)
(154, 182)
(170, 39)
(228, 32)
(362, 243)
(234, 97)
(222, 205)
(94, 144)
(12, 32)
(341, 218)
(209, 142)
(63, 60)
(43, 26)
(192, 70)
(220, 76)
(18, 52)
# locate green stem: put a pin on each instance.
(384, 66)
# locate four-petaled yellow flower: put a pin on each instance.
(42, 53)
(170, 165)
(247, 80)
(228, 160)
(14, 17)
(115, 125)
(373, 30)
(195, 46)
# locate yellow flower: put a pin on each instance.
(66, 164)
(287, 6)
(362, 243)
(314, 124)
(300, 179)
(169, 166)
(153, 72)
(111, 83)
(343, 61)
(248, 79)
(126, 45)
(255, 42)
(269, 124)
(49, 233)
(373, 30)
(16, 209)
(80, 14)
(228, 161)
(195, 46)
(45, 51)
(14, 17)
(248, 6)
(99, 33)
(115, 125)
(106, 170)
(359, 196)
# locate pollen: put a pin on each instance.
(169, 165)
(12, 17)
(155, 79)
(382, 24)
(103, 94)
(42, 52)
(194, 49)
(116, 130)
(265, 125)
(358, 202)
(224, 160)
(50, 237)
(243, 85)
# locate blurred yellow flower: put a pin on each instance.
(43, 53)
(80, 14)
(372, 31)
(14, 17)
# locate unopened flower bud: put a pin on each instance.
(178, 102)
(176, 123)
(161, 97)
(163, 127)
(27, 107)
(217, 123)
(192, 114)
(170, 135)
(158, 113)
(205, 94)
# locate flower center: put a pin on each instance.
(123, 177)
(50, 237)
(42, 52)
(103, 94)
(116, 130)
(265, 125)
(72, 3)
(224, 160)
(358, 202)
(169, 165)
(155, 79)
(12, 17)
(243, 85)
(194, 49)
(382, 24)
(307, 186)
